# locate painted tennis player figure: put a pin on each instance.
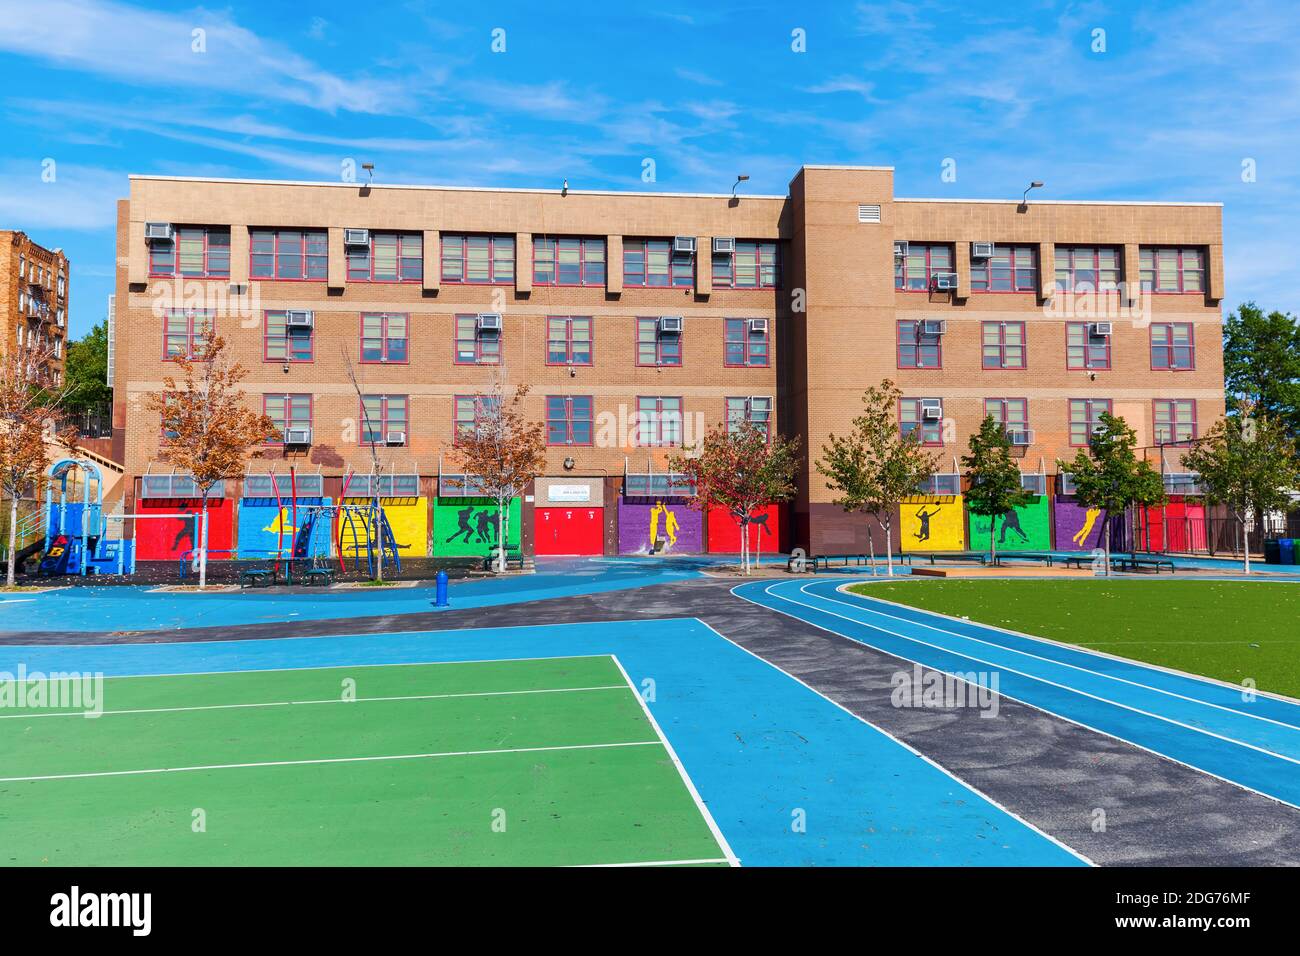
(1011, 522)
(924, 517)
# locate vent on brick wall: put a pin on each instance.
(868, 212)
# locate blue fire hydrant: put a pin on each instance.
(441, 589)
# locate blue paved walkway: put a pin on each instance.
(1197, 722)
(757, 744)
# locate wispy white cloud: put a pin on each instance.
(80, 198)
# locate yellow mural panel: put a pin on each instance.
(409, 519)
(933, 523)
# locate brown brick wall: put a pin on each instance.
(15, 249)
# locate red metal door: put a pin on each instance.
(569, 531)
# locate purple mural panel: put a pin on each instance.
(1079, 529)
(667, 526)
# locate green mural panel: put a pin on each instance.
(468, 526)
(1029, 528)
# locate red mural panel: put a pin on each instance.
(159, 539)
(764, 531)
(569, 531)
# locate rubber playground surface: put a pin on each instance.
(616, 712)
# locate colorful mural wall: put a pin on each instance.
(261, 521)
(1077, 528)
(670, 526)
(1178, 525)
(468, 526)
(408, 517)
(764, 531)
(1027, 528)
(933, 523)
(159, 539)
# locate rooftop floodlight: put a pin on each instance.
(370, 171)
(740, 178)
(1036, 184)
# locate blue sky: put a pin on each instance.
(1182, 94)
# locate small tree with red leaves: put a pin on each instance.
(208, 428)
(742, 470)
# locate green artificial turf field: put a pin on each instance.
(1227, 630)
(537, 762)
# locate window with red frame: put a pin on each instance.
(1172, 270)
(1083, 350)
(288, 254)
(569, 420)
(184, 332)
(657, 348)
(754, 265)
(482, 260)
(916, 349)
(559, 261)
(1085, 415)
(194, 252)
(1172, 346)
(911, 419)
(659, 421)
(381, 414)
(1175, 420)
(568, 340)
(388, 257)
(471, 411)
(1011, 413)
(744, 345)
(475, 346)
(654, 263)
(287, 411)
(755, 409)
(1003, 345)
(915, 272)
(1009, 269)
(385, 337)
(283, 344)
(1087, 268)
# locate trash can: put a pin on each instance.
(1273, 551)
(1286, 551)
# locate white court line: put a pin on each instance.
(723, 845)
(1201, 678)
(327, 700)
(902, 743)
(1001, 693)
(1087, 670)
(329, 760)
(653, 863)
(1040, 679)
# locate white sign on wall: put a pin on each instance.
(568, 493)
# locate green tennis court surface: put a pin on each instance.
(542, 762)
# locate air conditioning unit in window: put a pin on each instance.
(298, 319)
(157, 230)
(1021, 438)
(395, 438)
(762, 402)
(900, 250)
(934, 326)
(670, 324)
(758, 326)
(944, 281)
(297, 436)
(932, 411)
(981, 250)
(489, 322)
(724, 245)
(1101, 329)
(684, 244)
(356, 237)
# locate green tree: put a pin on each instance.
(85, 372)
(876, 466)
(1109, 474)
(1261, 362)
(1248, 462)
(994, 477)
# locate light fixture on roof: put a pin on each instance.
(370, 172)
(1036, 184)
(740, 178)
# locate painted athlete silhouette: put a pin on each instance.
(924, 517)
(483, 525)
(462, 525)
(1011, 521)
(1090, 519)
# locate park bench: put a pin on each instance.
(1131, 562)
(255, 576)
(315, 576)
(514, 559)
(818, 562)
(1045, 557)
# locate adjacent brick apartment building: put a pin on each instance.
(639, 319)
(34, 299)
